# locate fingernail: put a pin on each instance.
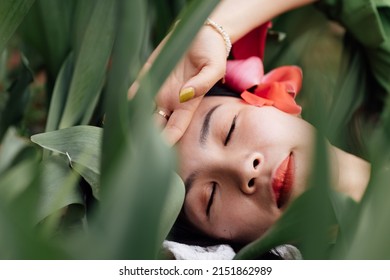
(186, 94)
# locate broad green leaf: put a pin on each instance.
(20, 243)
(346, 212)
(58, 189)
(56, 16)
(131, 25)
(12, 13)
(91, 63)
(19, 205)
(138, 189)
(12, 184)
(60, 94)
(46, 30)
(372, 228)
(82, 15)
(173, 204)
(81, 145)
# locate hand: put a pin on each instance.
(202, 66)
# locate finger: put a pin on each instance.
(201, 83)
(161, 117)
(179, 121)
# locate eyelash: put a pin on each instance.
(229, 134)
(211, 199)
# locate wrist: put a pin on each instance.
(221, 31)
(239, 18)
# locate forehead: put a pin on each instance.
(205, 106)
(211, 101)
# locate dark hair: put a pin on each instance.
(220, 89)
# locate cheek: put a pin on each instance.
(245, 221)
(260, 126)
(267, 126)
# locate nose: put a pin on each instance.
(250, 173)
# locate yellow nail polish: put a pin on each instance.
(186, 94)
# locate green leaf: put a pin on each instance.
(12, 184)
(82, 15)
(81, 145)
(371, 228)
(12, 13)
(131, 22)
(58, 190)
(91, 63)
(11, 146)
(60, 94)
(46, 32)
(56, 17)
(137, 188)
(173, 204)
(18, 99)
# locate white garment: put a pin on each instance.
(222, 252)
(191, 252)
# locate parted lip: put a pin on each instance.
(282, 181)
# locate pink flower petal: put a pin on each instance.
(244, 74)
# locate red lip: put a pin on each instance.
(282, 181)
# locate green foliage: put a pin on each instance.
(12, 13)
(74, 190)
(102, 193)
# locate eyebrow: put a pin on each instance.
(204, 132)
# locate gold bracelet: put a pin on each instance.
(220, 30)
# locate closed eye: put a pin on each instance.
(211, 199)
(232, 127)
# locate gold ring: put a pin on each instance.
(163, 114)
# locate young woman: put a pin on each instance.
(244, 164)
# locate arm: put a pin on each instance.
(238, 19)
(205, 62)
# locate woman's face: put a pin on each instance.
(242, 165)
